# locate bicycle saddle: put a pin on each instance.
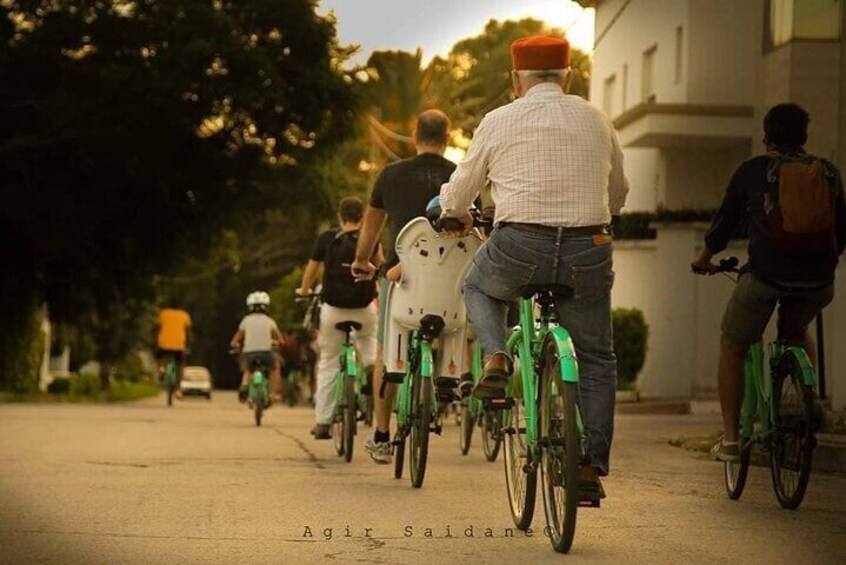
(554, 290)
(348, 326)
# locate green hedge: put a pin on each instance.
(60, 385)
(635, 225)
(631, 334)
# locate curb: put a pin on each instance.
(830, 454)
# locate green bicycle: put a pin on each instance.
(291, 391)
(349, 381)
(473, 413)
(258, 393)
(170, 377)
(779, 416)
(542, 424)
(416, 405)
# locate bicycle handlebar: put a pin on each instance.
(454, 224)
(727, 265)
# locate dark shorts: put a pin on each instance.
(265, 358)
(752, 304)
(178, 356)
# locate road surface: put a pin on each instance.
(199, 483)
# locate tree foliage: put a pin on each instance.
(134, 132)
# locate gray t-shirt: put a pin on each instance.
(258, 334)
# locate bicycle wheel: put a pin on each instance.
(793, 440)
(399, 455)
(421, 418)
(520, 477)
(349, 417)
(468, 422)
(258, 404)
(736, 473)
(491, 434)
(559, 431)
(338, 431)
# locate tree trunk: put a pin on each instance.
(105, 372)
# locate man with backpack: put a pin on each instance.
(793, 204)
(344, 300)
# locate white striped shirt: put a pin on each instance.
(550, 158)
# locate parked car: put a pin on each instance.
(196, 381)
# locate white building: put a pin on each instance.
(687, 83)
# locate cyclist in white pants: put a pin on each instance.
(344, 300)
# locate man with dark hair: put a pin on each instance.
(344, 300)
(400, 194)
(793, 203)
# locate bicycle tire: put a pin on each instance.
(399, 455)
(520, 480)
(169, 394)
(421, 418)
(737, 472)
(349, 417)
(491, 434)
(560, 457)
(468, 423)
(793, 441)
(258, 405)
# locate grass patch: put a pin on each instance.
(119, 391)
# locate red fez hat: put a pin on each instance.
(540, 53)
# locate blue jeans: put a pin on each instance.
(513, 258)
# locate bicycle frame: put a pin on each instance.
(420, 356)
(348, 367)
(527, 340)
(758, 399)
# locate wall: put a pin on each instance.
(696, 177)
(724, 46)
(626, 43)
(684, 312)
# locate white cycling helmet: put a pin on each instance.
(258, 298)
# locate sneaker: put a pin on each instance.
(381, 453)
(322, 431)
(726, 452)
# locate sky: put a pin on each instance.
(435, 25)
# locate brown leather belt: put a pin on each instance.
(553, 230)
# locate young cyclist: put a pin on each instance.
(344, 299)
(256, 337)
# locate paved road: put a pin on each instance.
(198, 483)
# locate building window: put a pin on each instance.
(647, 82)
(788, 20)
(624, 103)
(608, 89)
(679, 53)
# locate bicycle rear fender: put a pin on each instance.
(809, 376)
(566, 353)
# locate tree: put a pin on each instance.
(132, 133)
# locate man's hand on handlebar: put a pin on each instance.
(703, 265)
(456, 227)
(363, 270)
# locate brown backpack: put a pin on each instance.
(799, 203)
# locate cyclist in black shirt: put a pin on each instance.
(400, 194)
